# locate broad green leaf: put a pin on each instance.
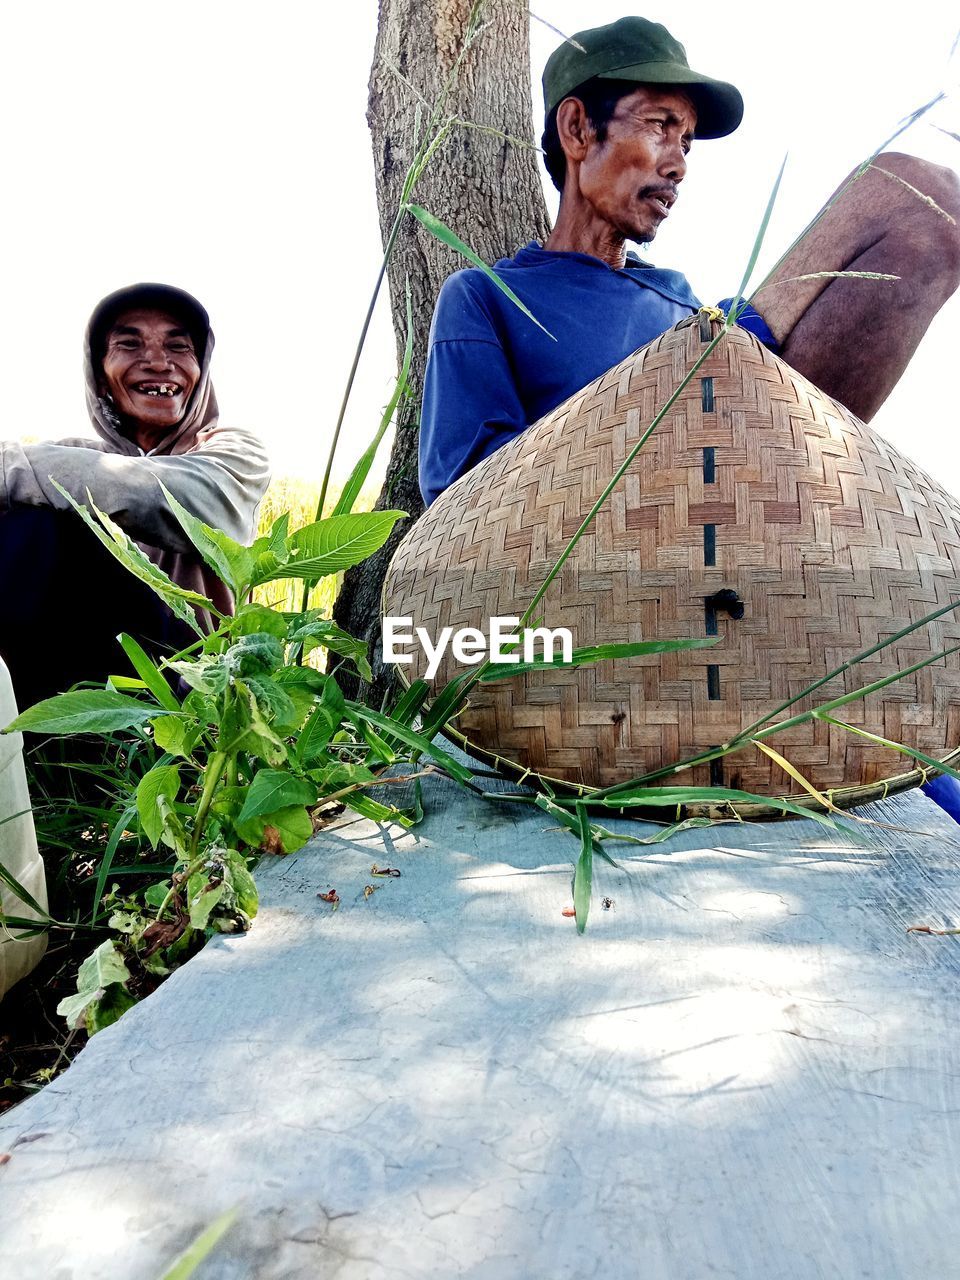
(443, 233)
(135, 561)
(583, 873)
(202, 707)
(84, 711)
(595, 653)
(301, 702)
(351, 490)
(293, 827)
(188, 1261)
(155, 894)
(339, 542)
(163, 780)
(254, 655)
(231, 561)
(258, 619)
(103, 966)
(228, 801)
(176, 735)
(324, 722)
(270, 552)
(272, 789)
(149, 673)
(302, 678)
(207, 674)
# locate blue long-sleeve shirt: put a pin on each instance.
(491, 372)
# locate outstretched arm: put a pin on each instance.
(221, 482)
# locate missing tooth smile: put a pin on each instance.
(167, 389)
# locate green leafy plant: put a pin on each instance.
(241, 741)
(220, 754)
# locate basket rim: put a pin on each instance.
(839, 797)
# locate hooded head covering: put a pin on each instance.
(201, 412)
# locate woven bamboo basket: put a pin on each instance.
(760, 512)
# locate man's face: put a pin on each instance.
(631, 178)
(150, 368)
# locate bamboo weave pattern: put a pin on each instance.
(817, 532)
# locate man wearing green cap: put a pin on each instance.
(623, 108)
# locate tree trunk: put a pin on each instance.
(483, 187)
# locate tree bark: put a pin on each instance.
(486, 189)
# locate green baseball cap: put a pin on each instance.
(645, 52)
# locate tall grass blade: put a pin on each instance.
(148, 672)
(757, 245)
(419, 742)
(583, 873)
(23, 893)
(860, 171)
(109, 853)
(443, 233)
(921, 757)
(201, 1248)
(593, 653)
(857, 694)
(793, 772)
(408, 706)
(667, 797)
(848, 665)
(351, 490)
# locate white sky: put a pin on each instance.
(223, 147)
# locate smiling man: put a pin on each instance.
(623, 109)
(153, 407)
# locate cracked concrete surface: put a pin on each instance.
(748, 1068)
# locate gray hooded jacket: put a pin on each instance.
(218, 473)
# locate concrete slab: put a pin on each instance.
(746, 1068)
